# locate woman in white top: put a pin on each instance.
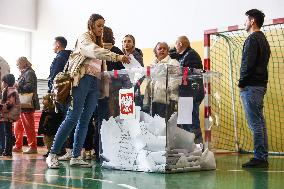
(156, 88)
(85, 91)
(161, 51)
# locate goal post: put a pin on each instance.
(226, 127)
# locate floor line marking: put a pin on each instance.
(273, 171)
(100, 180)
(127, 186)
(108, 181)
(72, 177)
(27, 182)
(76, 177)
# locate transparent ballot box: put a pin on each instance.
(151, 126)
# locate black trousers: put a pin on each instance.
(8, 138)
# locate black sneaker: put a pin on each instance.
(46, 155)
(5, 154)
(256, 163)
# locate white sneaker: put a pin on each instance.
(52, 161)
(65, 157)
(78, 161)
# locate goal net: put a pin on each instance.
(230, 130)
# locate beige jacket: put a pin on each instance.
(167, 60)
(156, 86)
(84, 53)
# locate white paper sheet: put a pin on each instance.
(185, 106)
(133, 63)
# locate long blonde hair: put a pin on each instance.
(96, 39)
(24, 62)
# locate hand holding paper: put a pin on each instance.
(133, 63)
(125, 59)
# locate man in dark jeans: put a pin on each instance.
(188, 57)
(56, 66)
(253, 83)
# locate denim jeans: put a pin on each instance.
(252, 97)
(85, 98)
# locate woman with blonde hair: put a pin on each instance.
(85, 90)
(27, 83)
